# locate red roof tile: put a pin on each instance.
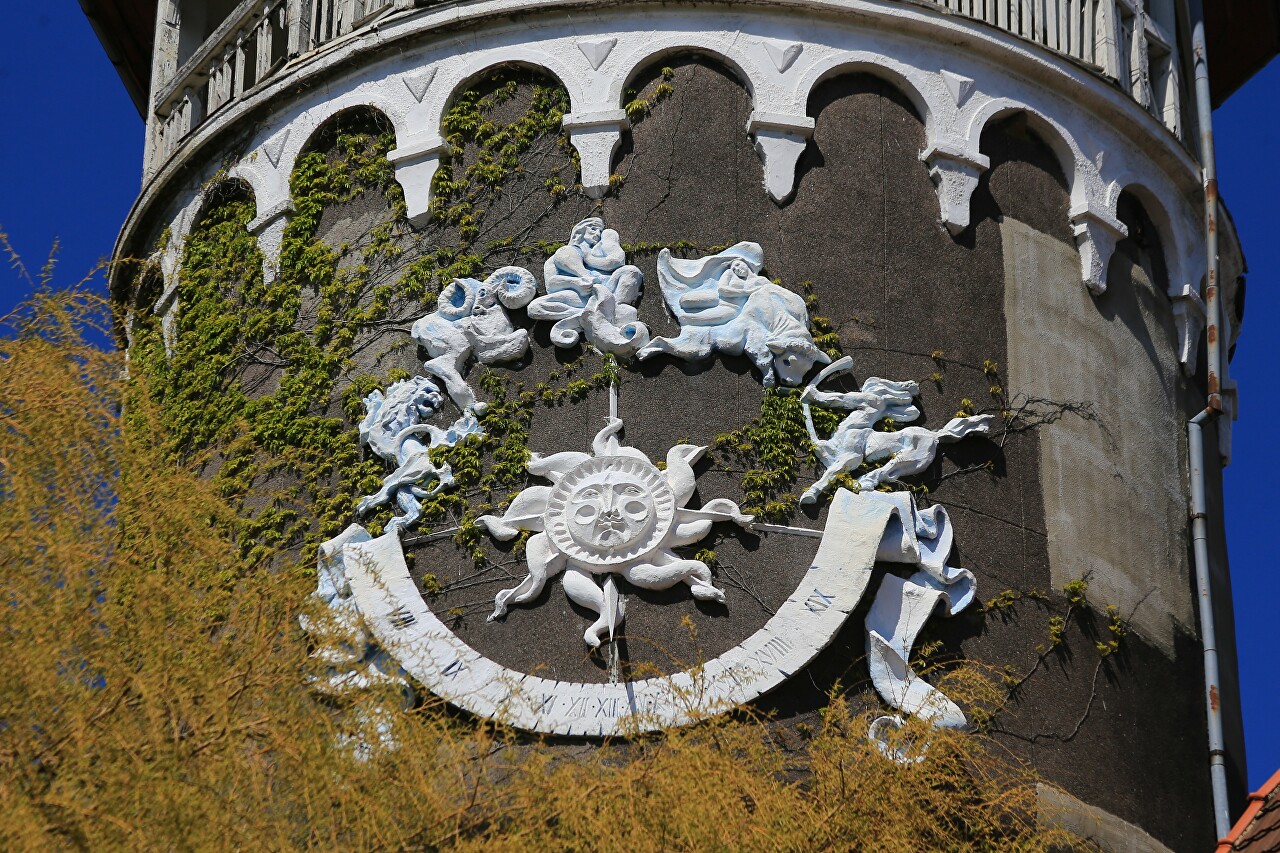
(1258, 829)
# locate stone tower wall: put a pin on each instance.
(1009, 250)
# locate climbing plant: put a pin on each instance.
(265, 376)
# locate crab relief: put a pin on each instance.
(610, 512)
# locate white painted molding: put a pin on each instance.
(597, 52)
(780, 140)
(596, 136)
(1096, 236)
(416, 162)
(418, 82)
(1189, 317)
(958, 85)
(955, 176)
(274, 147)
(782, 55)
(269, 228)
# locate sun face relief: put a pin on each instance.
(610, 510)
(609, 514)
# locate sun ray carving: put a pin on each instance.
(610, 512)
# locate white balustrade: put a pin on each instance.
(1118, 38)
(332, 19)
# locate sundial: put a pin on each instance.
(605, 517)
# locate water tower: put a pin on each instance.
(624, 362)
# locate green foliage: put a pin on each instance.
(821, 328)
(1057, 628)
(1008, 598)
(484, 153)
(638, 108)
(1117, 630)
(155, 695)
(1075, 591)
(773, 448)
(286, 456)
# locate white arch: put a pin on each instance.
(711, 45)
(910, 81)
(1184, 258)
(477, 66)
(1093, 213)
(299, 133)
(170, 257)
(1154, 207)
(1076, 167)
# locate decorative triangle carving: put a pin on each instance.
(597, 52)
(783, 55)
(958, 85)
(274, 148)
(418, 82)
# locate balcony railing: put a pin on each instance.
(248, 49)
(1118, 38)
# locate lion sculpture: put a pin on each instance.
(395, 427)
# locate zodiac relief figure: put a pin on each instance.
(394, 427)
(723, 304)
(902, 453)
(470, 320)
(592, 292)
(610, 512)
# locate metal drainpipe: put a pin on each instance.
(1195, 434)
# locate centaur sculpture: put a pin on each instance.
(903, 452)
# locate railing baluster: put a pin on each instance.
(321, 15)
(214, 85)
(1101, 37)
(1079, 11)
(240, 66)
(264, 48)
(1061, 36)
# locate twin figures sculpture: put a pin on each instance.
(613, 511)
(722, 303)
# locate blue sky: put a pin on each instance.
(71, 146)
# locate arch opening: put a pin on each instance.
(671, 56)
(1026, 179)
